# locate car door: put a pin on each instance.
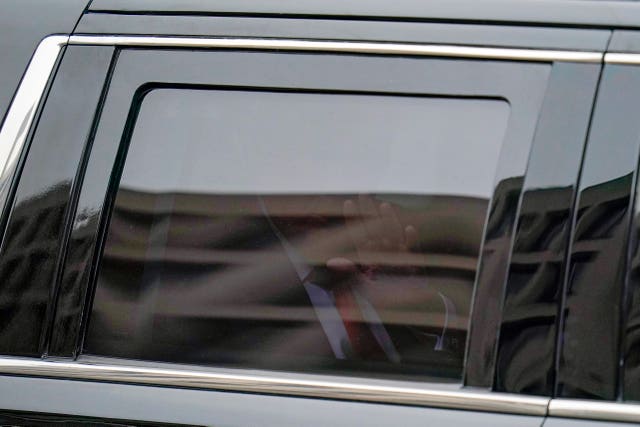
(243, 230)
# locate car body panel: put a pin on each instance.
(23, 24)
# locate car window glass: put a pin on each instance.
(301, 231)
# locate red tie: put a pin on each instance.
(362, 340)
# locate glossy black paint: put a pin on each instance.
(23, 24)
(625, 41)
(527, 339)
(589, 346)
(489, 288)
(631, 321)
(629, 42)
(88, 80)
(557, 13)
(414, 32)
(15, 418)
(302, 71)
(34, 234)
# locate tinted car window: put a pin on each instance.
(325, 232)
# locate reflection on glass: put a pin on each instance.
(593, 291)
(315, 232)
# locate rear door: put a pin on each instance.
(255, 221)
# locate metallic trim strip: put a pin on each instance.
(622, 58)
(340, 46)
(594, 410)
(291, 386)
(20, 115)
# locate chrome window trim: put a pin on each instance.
(22, 111)
(379, 391)
(388, 392)
(407, 49)
(594, 410)
(622, 58)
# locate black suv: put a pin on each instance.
(301, 212)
